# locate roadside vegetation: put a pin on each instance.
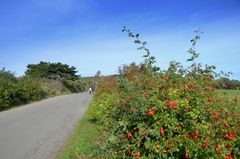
(149, 113)
(90, 132)
(230, 93)
(41, 80)
(84, 141)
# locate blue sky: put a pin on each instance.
(87, 33)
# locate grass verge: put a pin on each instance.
(229, 93)
(84, 141)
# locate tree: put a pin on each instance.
(235, 84)
(6, 75)
(98, 74)
(226, 83)
(56, 71)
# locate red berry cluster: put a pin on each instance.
(229, 136)
(217, 148)
(137, 155)
(129, 135)
(210, 100)
(150, 112)
(144, 93)
(228, 157)
(236, 99)
(172, 104)
(166, 78)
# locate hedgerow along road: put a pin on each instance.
(39, 130)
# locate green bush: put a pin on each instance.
(53, 87)
(8, 89)
(16, 91)
(74, 86)
(102, 107)
(170, 114)
(28, 90)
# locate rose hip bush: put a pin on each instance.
(173, 113)
(105, 100)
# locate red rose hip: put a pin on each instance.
(129, 135)
(162, 131)
(150, 112)
(236, 99)
(137, 155)
(217, 148)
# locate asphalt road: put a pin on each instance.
(39, 130)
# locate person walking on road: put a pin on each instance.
(90, 90)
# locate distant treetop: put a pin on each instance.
(56, 71)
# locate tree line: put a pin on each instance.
(40, 81)
(226, 83)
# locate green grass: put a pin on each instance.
(84, 141)
(229, 93)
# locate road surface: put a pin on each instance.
(39, 130)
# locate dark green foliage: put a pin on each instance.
(74, 86)
(226, 83)
(17, 91)
(98, 74)
(56, 71)
(7, 89)
(29, 90)
(6, 75)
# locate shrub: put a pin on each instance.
(105, 100)
(7, 88)
(107, 85)
(53, 87)
(74, 86)
(102, 107)
(172, 114)
(16, 91)
(28, 90)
